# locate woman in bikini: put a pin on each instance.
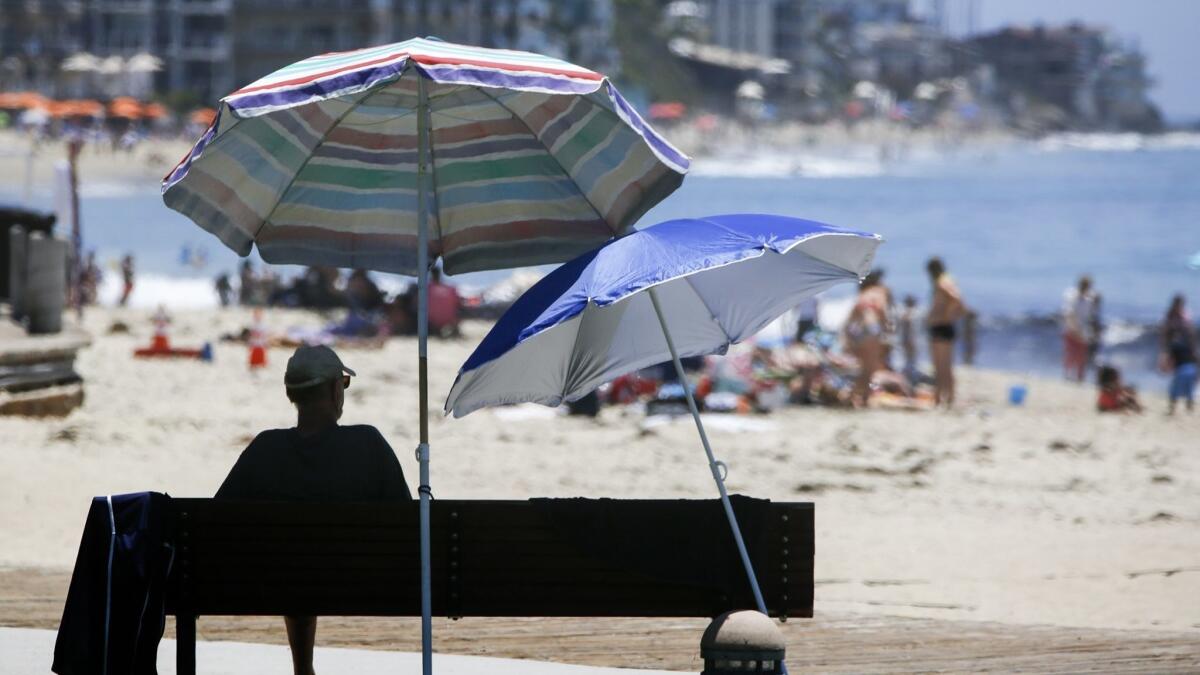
(944, 312)
(865, 333)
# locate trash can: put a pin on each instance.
(15, 288)
(29, 221)
(45, 283)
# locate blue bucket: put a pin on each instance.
(1016, 394)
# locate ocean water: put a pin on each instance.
(1016, 226)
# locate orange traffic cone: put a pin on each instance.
(160, 343)
(258, 349)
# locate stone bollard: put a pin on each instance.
(743, 641)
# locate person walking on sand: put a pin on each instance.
(316, 461)
(945, 309)
(865, 331)
(1179, 354)
(1079, 304)
(907, 332)
(1095, 331)
(126, 278)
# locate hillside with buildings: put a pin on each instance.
(809, 61)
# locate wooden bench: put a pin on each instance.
(541, 557)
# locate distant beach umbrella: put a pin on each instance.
(126, 107)
(388, 157)
(143, 62)
(81, 62)
(112, 65)
(154, 111)
(76, 108)
(681, 288)
(23, 100)
(203, 116)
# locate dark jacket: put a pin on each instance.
(115, 614)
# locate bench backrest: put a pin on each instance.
(541, 557)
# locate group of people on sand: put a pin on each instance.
(91, 276)
(1083, 328)
(372, 312)
(873, 326)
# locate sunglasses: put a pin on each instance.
(345, 382)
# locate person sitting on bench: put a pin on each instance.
(318, 460)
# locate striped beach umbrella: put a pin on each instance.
(531, 160)
(389, 157)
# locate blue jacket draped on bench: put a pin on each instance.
(114, 616)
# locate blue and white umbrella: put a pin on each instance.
(710, 281)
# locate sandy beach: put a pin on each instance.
(1044, 514)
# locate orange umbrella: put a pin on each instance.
(203, 116)
(76, 108)
(125, 106)
(154, 111)
(23, 100)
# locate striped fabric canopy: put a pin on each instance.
(535, 160)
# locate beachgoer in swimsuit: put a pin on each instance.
(944, 311)
(1078, 307)
(864, 333)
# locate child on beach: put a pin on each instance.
(1115, 396)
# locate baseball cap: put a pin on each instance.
(311, 365)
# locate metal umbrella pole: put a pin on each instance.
(713, 465)
(422, 371)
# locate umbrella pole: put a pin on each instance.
(713, 464)
(422, 372)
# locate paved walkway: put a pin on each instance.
(833, 642)
(29, 651)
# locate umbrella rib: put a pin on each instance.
(700, 297)
(574, 347)
(552, 156)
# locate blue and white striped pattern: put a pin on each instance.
(534, 161)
